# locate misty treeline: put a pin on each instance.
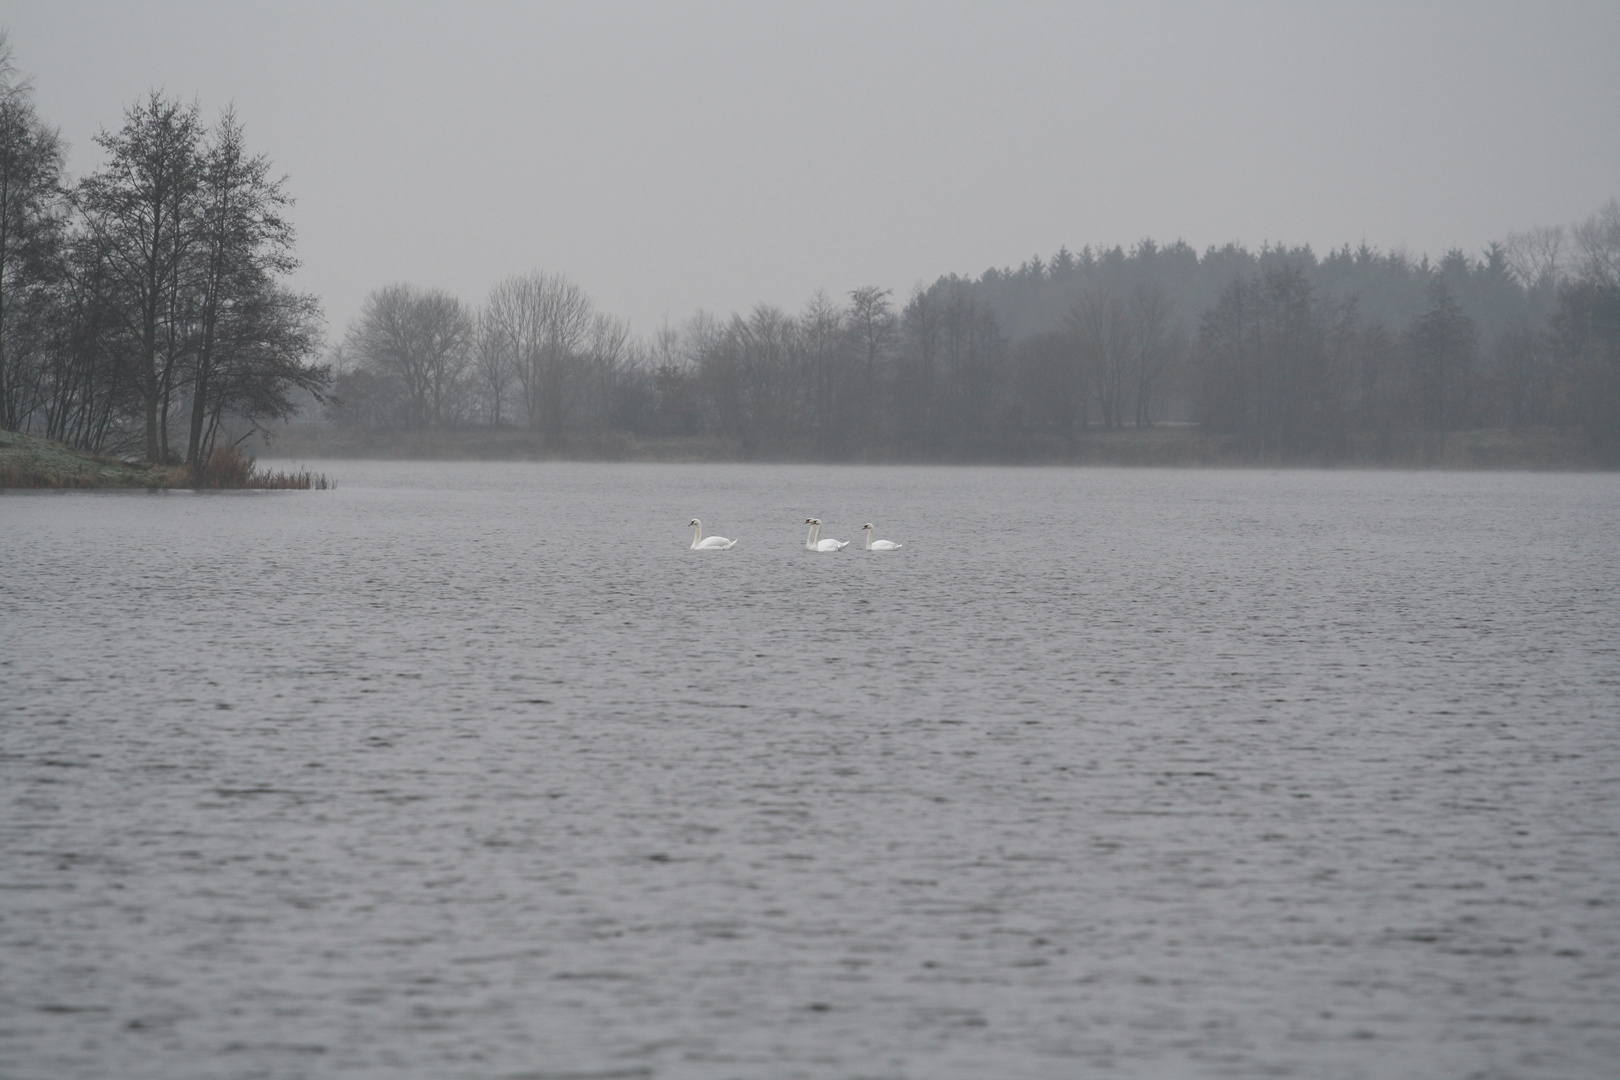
(141, 307)
(1358, 355)
(853, 377)
(1361, 352)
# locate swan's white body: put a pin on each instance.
(814, 542)
(877, 545)
(711, 543)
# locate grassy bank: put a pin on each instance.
(29, 462)
(1165, 445)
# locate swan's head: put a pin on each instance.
(694, 521)
(868, 525)
(812, 521)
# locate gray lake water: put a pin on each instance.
(474, 771)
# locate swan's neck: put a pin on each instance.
(811, 536)
(697, 534)
(869, 533)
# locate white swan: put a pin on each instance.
(814, 542)
(712, 543)
(877, 545)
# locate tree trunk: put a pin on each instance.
(199, 416)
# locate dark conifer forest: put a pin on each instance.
(144, 310)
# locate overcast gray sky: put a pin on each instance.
(677, 156)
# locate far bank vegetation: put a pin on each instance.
(144, 313)
(1156, 355)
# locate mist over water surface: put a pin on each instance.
(475, 771)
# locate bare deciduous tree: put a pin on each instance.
(832, 391)
(546, 322)
(1153, 345)
(244, 244)
(872, 320)
(136, 210)
(1536, 256)
(1597, 239)
(420, 337)
(1100, 321)
(31, 156)
(493, 365)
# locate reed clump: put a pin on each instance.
(228, 466)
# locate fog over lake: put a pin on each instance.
(478, 768)
(716, 155)
(476, 771)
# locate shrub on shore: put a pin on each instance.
(228, 466)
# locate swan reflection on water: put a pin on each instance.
(712, 543)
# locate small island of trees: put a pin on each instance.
(142, 308)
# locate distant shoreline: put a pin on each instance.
(1168, 445)
(30, 462)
